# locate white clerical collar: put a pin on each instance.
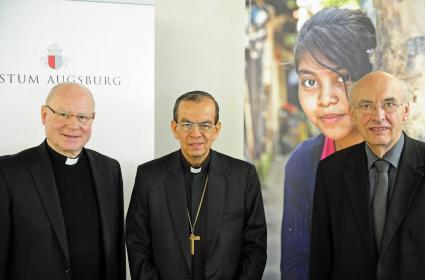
(195, 170)
(71, 161)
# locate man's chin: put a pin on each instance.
(71, 149)
(379, 139)
(197, 153)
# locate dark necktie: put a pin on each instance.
(379, 204)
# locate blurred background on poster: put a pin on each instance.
(274, 121)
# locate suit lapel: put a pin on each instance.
(357, 182)
(102, 190)
(176, 198)
(215, 199)
(407, 182)
(42, 173)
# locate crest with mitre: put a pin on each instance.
(54, 59)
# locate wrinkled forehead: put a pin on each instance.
(71, 97)
(377, 90)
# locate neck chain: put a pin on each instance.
(193, 237)
(192, 226)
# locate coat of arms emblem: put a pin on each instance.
(54, 58)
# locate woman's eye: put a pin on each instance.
(344, 78)
(308, 83)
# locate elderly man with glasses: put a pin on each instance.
(61, 205)
(369, 201)
(196, 213)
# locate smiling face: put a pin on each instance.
(196, 144)
(68, 136)
(323, 97)
(380, 129)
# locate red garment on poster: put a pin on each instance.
(328, 148)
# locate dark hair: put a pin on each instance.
(195, 96)
(344, 37)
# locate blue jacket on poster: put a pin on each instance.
(300, 176)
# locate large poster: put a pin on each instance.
(296, 109)
(107, 47)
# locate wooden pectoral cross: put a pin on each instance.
(193, 238)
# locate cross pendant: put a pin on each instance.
(193, 238)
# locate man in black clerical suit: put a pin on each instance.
(61, 205)
(369, 202)
(196, 213)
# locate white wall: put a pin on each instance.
(102, 40)
(199, 44)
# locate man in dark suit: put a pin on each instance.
(196, 213)
(61, 205)
(369, 221)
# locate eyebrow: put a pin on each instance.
(365, 101)
(390, 99)
(384, 100)
(340, 71)
(70, 113)
(203, 122)
(306, 72)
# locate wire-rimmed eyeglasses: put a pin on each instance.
(369, 107)
(189, 126)
(82, 118)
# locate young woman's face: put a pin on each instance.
(323, 97)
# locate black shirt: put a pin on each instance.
(81, 215)
(195, 183)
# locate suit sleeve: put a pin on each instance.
(321, 250)
(254, 251)
(139, 240)
(5, 227)
(121, 235)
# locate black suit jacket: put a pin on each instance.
(343, 244)
(33, 241)
(158, 229)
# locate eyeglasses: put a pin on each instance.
(369, 107)
(203, 127)
(63, 116)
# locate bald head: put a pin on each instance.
(68, 87)
(377, 82)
